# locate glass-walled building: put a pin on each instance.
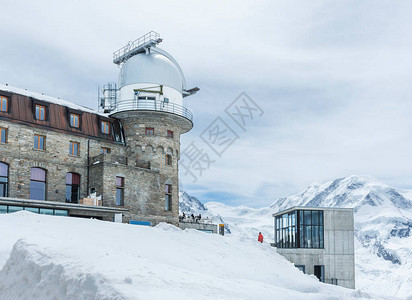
(319, 241)
(299, 229)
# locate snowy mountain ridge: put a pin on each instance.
(383, 225)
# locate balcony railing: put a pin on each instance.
(152, 105)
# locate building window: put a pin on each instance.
(40, 112)
(39, 142)
(301, 268)
(168, 197)
(3, 135)
(4, 179)
(170, 134)
(319, 271)
(72, 187)
(74, 120)
(4, 104)
(168, 159)
(105, 127)
(105, 150)
(119, 190)
(149, 131)
(38, 184)
(299, 229)
(74, 149)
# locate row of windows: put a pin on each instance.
(39, 143)
(150, 131)
(38, 184)
(4, 209)
(40, 114)
(300, 229)
(75, 122)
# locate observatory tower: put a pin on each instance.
(149, 103)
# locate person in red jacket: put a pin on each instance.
(260, 237)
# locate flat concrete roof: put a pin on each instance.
(59, 205)
(310, 208)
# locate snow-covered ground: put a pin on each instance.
(50, 257)
(383, 227)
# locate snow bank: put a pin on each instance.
(49, 257)
(34, 273)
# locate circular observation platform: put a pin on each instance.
(138, 107)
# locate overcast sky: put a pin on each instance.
(333, 79)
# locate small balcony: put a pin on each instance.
(152, 105)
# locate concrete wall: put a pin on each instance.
(338, 253)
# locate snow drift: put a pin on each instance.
(49, 257)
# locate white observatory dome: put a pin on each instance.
(151, 68)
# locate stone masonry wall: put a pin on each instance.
(21, 156)
(142, 162)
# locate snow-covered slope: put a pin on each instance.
(49, 257)
(383, 225)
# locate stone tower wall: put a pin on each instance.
(151, 150)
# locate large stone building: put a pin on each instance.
(127, 153)
(318, 241)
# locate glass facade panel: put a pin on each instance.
(301, 237)
(284, 221)
(315, 236)
(46, 211)
(308, 234)
(321, 245)
(307, 217)
(32, 209)
(315, 217)
(59, 212)
(13, 209)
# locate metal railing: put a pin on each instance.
(153, 105)
(152, 38)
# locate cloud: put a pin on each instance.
(333, 80)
